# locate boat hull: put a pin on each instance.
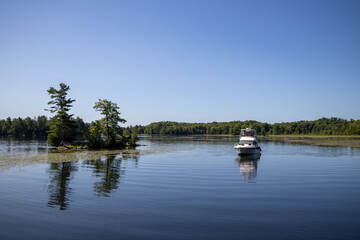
(248, 150)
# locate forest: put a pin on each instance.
(322, 126)
(39, 127)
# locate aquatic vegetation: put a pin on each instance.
(8, 161)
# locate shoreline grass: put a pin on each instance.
(319, 140)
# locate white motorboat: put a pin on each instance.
(248, 142)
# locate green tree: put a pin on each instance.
(17, 127)
(62, 126)
(94, 135)
(133, 140)
(108, 127)
(41, 126)
(29, 127)
(81, 128)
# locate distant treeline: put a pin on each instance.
(34, 127)
(39, 127)
(323, 126)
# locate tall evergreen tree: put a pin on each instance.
(62, 126)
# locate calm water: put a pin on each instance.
(181, 188)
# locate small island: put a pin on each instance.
(103, 133)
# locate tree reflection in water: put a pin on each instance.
(248, 167)
(109, 171)
(59, 187)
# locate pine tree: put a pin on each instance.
(62, 126)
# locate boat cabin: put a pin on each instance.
(248, 132)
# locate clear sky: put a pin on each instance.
(186, 61)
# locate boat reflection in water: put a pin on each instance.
(248, 167)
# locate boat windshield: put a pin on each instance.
(246, 142)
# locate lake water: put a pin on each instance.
(179, 188)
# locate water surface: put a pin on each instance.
(180, 188)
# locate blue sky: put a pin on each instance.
(186, 61)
